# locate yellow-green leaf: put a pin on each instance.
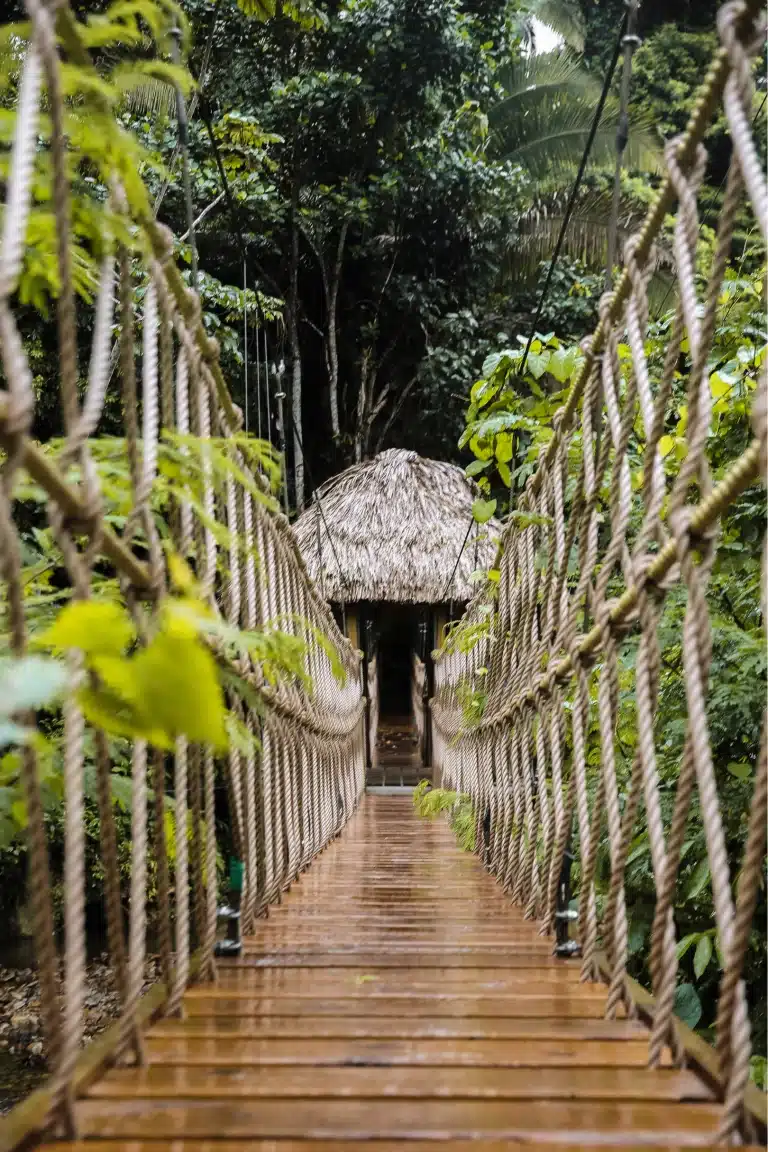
(93, 626)
(666, 444)
(181, 575)
(482, 510)
(503, 448)
(718, 386)
(179, 690)
(19, 813)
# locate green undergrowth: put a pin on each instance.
(431, 802)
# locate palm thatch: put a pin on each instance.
(392, 528)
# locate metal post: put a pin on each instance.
(268, 406)
(183, 126)
(281, 432)
(365, 634)
(630, 41)
(245, 346)
(565, 914)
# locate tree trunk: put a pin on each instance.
(293, 324)
(332, 351)
(362, 406)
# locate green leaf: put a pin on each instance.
(482, 510)
(122, 790)
(686, 943)
(740, 770)
(687, 1005)
(168, 689)
(477, 466)
(537, 363)
(30, 682)
(562, 364)
(19, 813)
(178, 690)
(505, 474)
(702, 955)
(719, 385)
(503, 447)
(666, 444)
(529, 519)
(637, 934)
(699, 879)
(93, 626)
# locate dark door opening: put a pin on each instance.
(398, 635)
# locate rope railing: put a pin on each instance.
(294, 776)
(589, 563)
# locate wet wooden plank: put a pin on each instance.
(416, 958)
(236, 1002)
(407, 982)
(401, 1083)
(299, 1145)
(399, 1027)
(439, 1052)
(585, 1121)
(396, 996)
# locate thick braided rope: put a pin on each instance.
(527, 669)
(327, 718)
(20, 396)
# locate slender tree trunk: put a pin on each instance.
(293, 310)
(332, 352)
(362, 406)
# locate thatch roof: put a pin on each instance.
(396, 524)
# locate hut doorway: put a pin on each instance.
(397, 638)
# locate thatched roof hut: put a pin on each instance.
(392, 529)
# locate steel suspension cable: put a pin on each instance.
(575, 189)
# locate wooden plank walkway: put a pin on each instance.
(395, 996)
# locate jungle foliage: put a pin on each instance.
(508, 421)
(390, 200)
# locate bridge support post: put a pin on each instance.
(564, 914)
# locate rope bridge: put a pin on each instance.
(296, 771)
(536, 642)
(295, 777)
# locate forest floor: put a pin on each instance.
(22, 1049)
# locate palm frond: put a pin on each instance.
(151, 98)
(543, 118)
(149, 86)
(548, 136)
(586, 239)
(551, 72)
(564, 17)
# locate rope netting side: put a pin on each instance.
(295, 777)
(527, 690)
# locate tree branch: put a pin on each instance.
(205, 212)
(395, 411)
